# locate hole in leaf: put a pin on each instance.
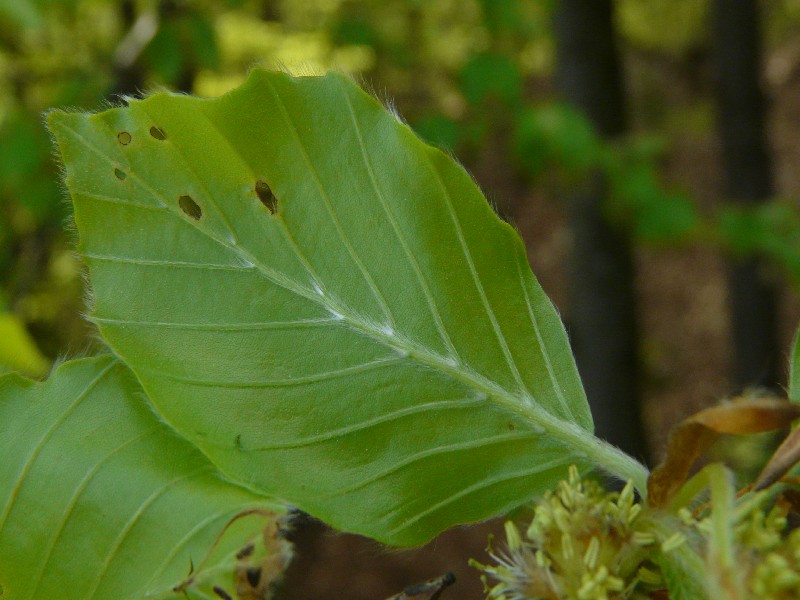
(266, 196)
(124, 138)
(158, 133)
(120, 174)
(190, 208)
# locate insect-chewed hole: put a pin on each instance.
(190, 208)
(124, 138)
(158, 133)
(266, 196)
(120, 174)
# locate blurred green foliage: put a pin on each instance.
(472, 76)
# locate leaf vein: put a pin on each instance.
(329, 207)
(254, 326)
(285, 382)
(379, 420)
(82, 485)
(165, 263)
(117, 200)
(184, 542)
(413, 262)
(445, 449)
(206, 191)
(542, 348)
(134, 519)
(44, 439)
(279, 215)
(478, 285)
(485, 483)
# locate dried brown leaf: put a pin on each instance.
(692, 436)
(783, 459)
(428, 590)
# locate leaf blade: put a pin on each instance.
(88, 502)
(382, 248)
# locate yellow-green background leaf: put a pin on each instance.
(100, 499)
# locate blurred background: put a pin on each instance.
(647, 152)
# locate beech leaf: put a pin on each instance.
(326, 306)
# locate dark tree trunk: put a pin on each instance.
(602, 303)
(748, 181)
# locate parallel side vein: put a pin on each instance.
(445, 449)
(481, 485)
(45, 438)
(428, 407)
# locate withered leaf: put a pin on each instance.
(428, 590)
(783, 459)
(257, 572)
(689, 438)
(259, 565)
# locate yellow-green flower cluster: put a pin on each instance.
(770, 558)
(582, 544)
(777, 575)
(767, 559)
(585, 543)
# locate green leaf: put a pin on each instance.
(556, 136)
(20, 13)
(439, 130)
(100, 499)
(326, 306)
(491, 76)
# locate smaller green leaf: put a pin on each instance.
(203, 40)
(439, 130)
(164, 53)
(355, 30)
(21, 13)
(556, 136)
(99, 499)
(490, 75)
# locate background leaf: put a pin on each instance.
(325, 305)
(18, 351)
(100, 499)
